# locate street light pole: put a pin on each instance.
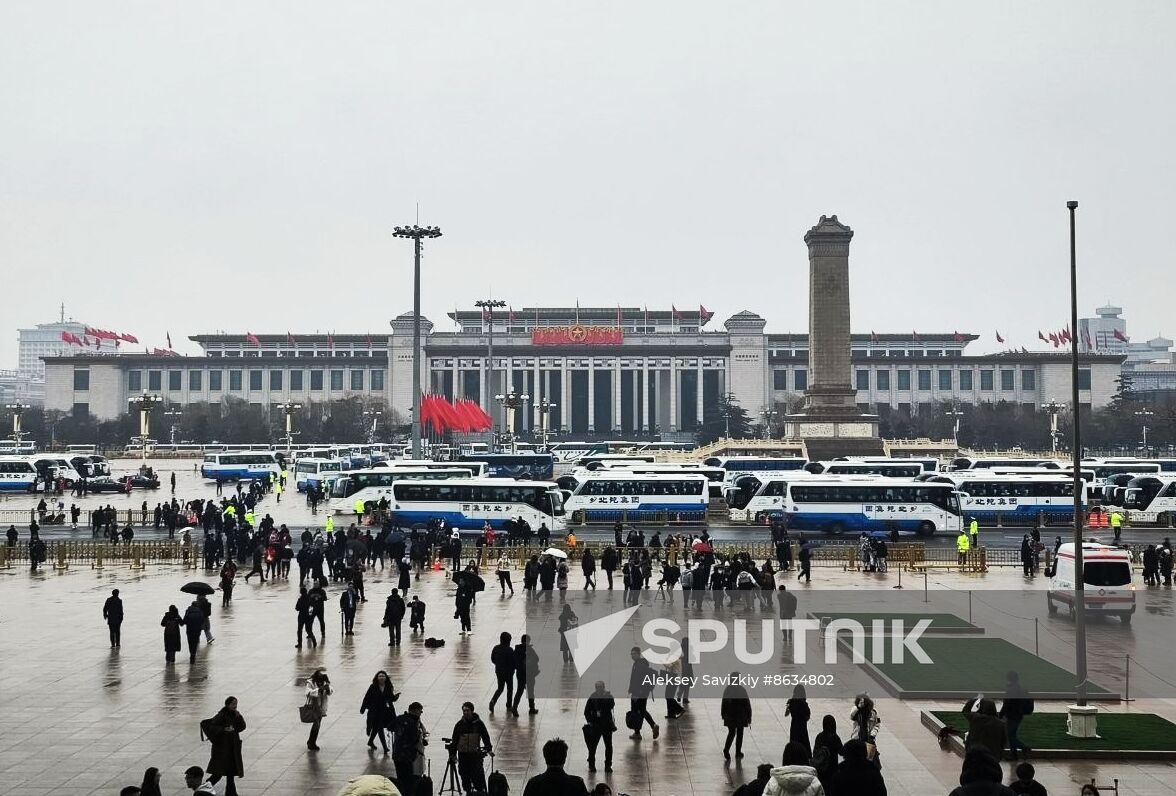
(487, 306)
(417, 233)
(289, 408)
(510, 403)
(545, 407)
(145, 403)
(1145, 414)
(173, 413)
(955, 414)
(374, 414)
(1079, 580)
(1053, 408)
(17, 410)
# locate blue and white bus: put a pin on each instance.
(839, 505)
(475, 469)
(240, 466)
(470, 504)
(888, 468)
(373, 484)
(1151, 498)
(1020, 498)
(610, 495)
(755, 499)
(756, 465)
(990, 462)
(315, 473)
(527, 466)
(714, 475)
(17, 474)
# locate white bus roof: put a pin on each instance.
(505, 482)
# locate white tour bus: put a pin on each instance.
(761, 466)
(469, 504)
(240, 465)
(1014, 498)
(605, 496)
(315, 472)
(889, 468)
(989, 462)
(1106, 470)
(755, 499)
(51, 466)
(1106, 581)
(372, 484)
(862, 505)
(475, 469)
(715, 475)
(17, 474)
(1151, 498)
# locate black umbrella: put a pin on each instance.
(472, 582)
(356, 547)
(197, 587)
(287, 553)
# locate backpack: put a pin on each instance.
(633, 720)
(433, 643)
(209, 729)
(497, 785)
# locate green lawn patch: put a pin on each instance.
(963, 666)
(939, 622)
(1141, 732)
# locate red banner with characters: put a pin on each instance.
(577, 335)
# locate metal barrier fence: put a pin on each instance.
(123, 517)
(60, 555)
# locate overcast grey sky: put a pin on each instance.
(189, 167)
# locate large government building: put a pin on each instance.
(605, 371)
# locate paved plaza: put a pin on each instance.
(80, 718)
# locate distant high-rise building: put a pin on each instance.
(1099, 334)
(44, 340)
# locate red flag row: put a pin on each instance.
(462, 415)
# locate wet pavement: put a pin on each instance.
(80, 718)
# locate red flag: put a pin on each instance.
(1053, 338)
(873, 336)
(1064, 336)
(1122, 338)
(959, 338)
(704, 316)
(129, 338)
(1089, 342)
(510, 316)
(915, 336)
(999, 339)
(486, 316)
(65, 337)
(169, 345)
(674, 314)
(290, 338)
(331, 341)
(1042, 337)
(252, 338)
(369, 339)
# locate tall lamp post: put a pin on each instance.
(1083, 718)
(955, 413)
(1053, 407)
(768, 413)
(417, 234)
(145, 403)
(1144, 414)
(174, 414)
(544, 406)
(511, 402)
(17, 410)
(727, 398)
(487, 306)
(288, 409)
(374, 415)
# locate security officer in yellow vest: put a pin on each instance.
(329, 524)
(359, 508)
(962, 548)
(974, 532)
(1117, 525)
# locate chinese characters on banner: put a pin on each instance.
(577, 335)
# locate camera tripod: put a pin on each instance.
(450, 776)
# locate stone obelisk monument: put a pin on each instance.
(831, 424)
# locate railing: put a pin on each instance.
(60, 555)
(664, 518)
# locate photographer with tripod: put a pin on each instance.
(470, 742)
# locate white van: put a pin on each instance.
(1106, 581)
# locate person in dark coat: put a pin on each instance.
(409, 743)
(404, 567)
(981, 776)
(547, 573)
(416, 614)
(1026, 555)
(471, 740)
(798, 709)
(377, 704)
(735, 710)
(502, 657)
(608, 562)
(112, 612)
(193, 626)
(526, 663)
(763, 775)
(305, 608)
(555, 781)
(348, 603)
(856, 775)
(588, 567)
(599, 725)
(1017, 705)
(171, 624)
(394, 615)
(461, 607)
(827, 750)
(224, 730)
(531, 575)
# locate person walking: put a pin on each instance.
(526, 667)
(641, 677)
(503, 573)
(555, 781)
(735, 711)
(827, 747)
(599, 725)
(804, 557)
(171, 624)
(394, 610)
(502, 657)
(378, 705)
(798, 709)
(348, 604)
(318, 689)
(462, 602)
(305, 609)
(206, 607)
(608, 563)
(857, 775)
(404, 574)
(588, 567)
(471, 741)
(193, 626)
(797, 777)
(1016, 706)
(225, 760)
(567, 621)
(228, 578)
(416, 614)
(408, 747)
(318, 607)
(112, 612)
(258, 559)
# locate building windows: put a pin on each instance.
(81, 410)
(945, 380)
(1084, 378)
(800, 380)
(779, 380)
(965, 381)
(862, 378)
(234, 381)
(882, 379)
(377, 384)
(296, 381)
(986, 381)
(134, 380)
(195, 380)
(356, 379)
(175, 380)
(275, 379)
(924, 379)
(82, 379)
(255, 380)
(316, 381)
(904, 380)
(336, 380)
(155, 380)
(214, 380)
(1008, 380)
(1028, 380)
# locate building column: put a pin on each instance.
(673, 418)
(645, 426)
(634, 388)
(591, 397)
(616, 391)
(565, 404)
(483, 393)
(698, 396)
(458, 392)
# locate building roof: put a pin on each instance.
(374, 337)
(165, 360)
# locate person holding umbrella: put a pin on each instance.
(462, 602)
